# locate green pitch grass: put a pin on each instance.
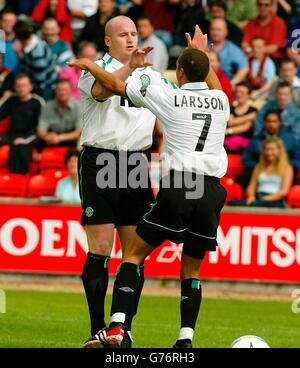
(47, 319)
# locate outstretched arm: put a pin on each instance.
(111, 82)
(199, 42)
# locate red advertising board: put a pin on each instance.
(252, 246)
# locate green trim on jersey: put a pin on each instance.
(174, 85)
(106, 262)
(105, 63)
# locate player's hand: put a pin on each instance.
(138, 58)
(199, 40)
(82, 63)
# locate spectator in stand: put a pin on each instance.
(36, 59)
(240, 124)
(67, 189)
(24, 110)
(272, 127)
(94, 30)
(271, 179)
(6, 82)
(233, 61)
(287, 73)
(215, 62)
(22, 7)
(56, 9)
(159, 56)
(293, 46)
(60, 49)
(7, 22)
(85, 50)
(286, 9)
(189, 15)
(262, 70)
(268, 26)
(81, 10)
(240, 11)
(131, 8)
(290, 115)
(218, 9)
(163, 13)
(60, 122)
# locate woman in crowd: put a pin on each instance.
(240, 125)
(271, 179)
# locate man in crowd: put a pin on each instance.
(60, 49)
(159, 56)
(24, 111)
(290, 114)
(287, 73)
(36, 59)
(233, 61)
(60, 123)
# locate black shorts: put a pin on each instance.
(193, 222)
(106, 197)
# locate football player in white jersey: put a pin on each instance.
(112, 128)
(194, 120)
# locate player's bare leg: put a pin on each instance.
(95, 271)
(191, 295)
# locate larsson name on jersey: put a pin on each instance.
(197, 102)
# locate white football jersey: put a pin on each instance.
(115, 123)
(194, 120)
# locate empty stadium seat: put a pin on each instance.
(56, 173)
(53, 157)
(235, 164)
(293, 198)
(13, 185)
(234, 191)
(4, 155)
(40, 185)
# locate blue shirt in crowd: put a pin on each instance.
(254, 149)
(232, 59)
(290, 118)
(66, 191)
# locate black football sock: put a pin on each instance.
(95, 282)
(125, 288)
(133, 310)
(191, 296)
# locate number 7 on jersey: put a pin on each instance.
(204, 133)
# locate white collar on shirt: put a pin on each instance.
(110, 60)
(195, 86)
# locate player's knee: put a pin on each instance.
(101, 247)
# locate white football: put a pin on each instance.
(249, 342)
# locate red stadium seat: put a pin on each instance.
(235, 165)
(55, 173)
(13, 185)
(4, 155)
(5, 125)
(53, 157)
(293, 198)
(40, 185)
(234, 191)
(227, 180)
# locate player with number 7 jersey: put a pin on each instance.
(194, 120)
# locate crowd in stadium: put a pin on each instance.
(255, 54)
